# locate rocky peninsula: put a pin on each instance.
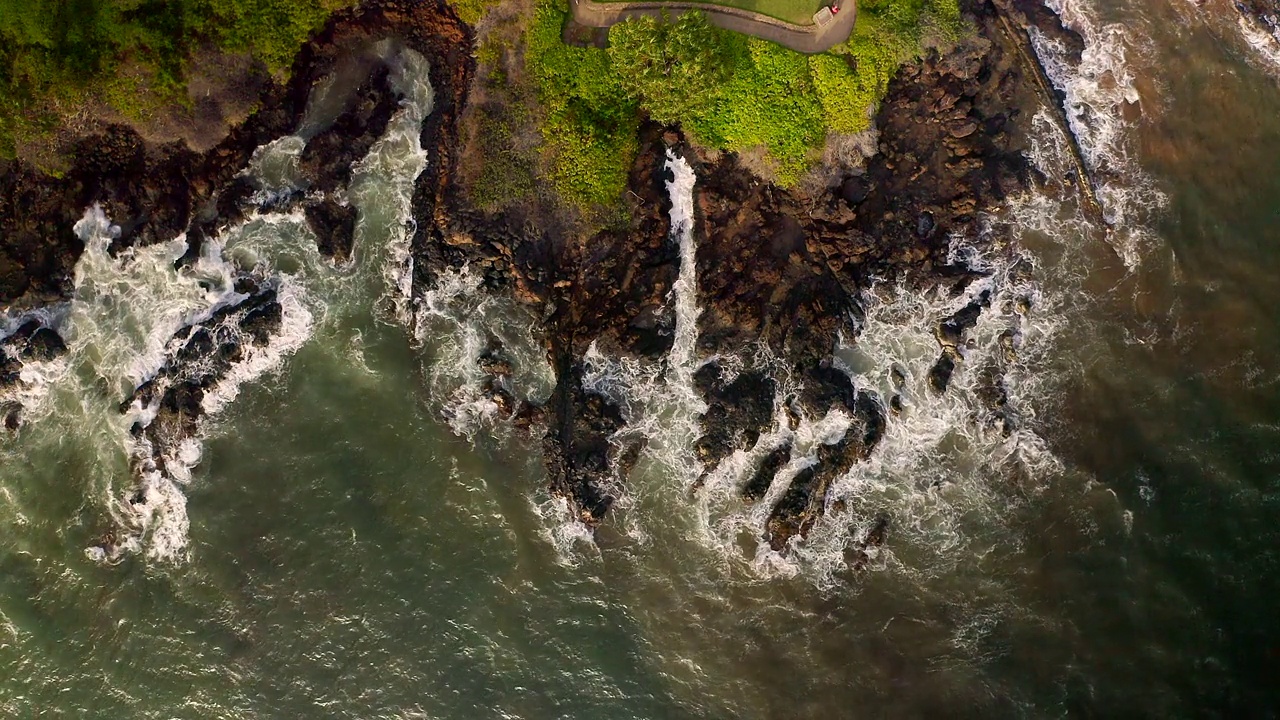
(781, 272)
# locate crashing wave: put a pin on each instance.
(1098, 92)
(1265, 40)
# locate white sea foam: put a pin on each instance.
(275, 169)
(684, 294)
(1265, 44)
(1098, 90)
(560, 528)
(126, 308)
(295, 329)
(945, 474)
(458, 321)
(122, 324)
(384, 179)
(657, 400)
(36, 377)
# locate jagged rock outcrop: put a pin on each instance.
(779, 276)
(156, 193)
(199, 357)
(31, 341)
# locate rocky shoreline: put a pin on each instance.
(780, 275)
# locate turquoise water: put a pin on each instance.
(364, 541)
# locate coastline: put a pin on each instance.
(951, 150)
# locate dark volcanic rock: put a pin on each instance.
(328, 157)
(950, 333)
(942, 370)
(805, 499)
(334, 226)
(738, 412)
(762, 477)
(620, 279)
(156, 193)
(779, 276)
(582, 460)
(201, 356)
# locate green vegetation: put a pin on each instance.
(590, 122)
(798, 12)
(470, 11)
(727, 91)
(132, 54)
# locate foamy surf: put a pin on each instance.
(383, 182)
(1264, 42)
(126, 308)
(124, 324)
(463, 328)
(133, 314)
(1099, 91)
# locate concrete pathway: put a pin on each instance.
(801, 38)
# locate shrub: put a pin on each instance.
(590, 121)
(728, 91)
(55, 52)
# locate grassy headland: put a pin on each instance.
(728, 91)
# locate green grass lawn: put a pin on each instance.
(799, 12)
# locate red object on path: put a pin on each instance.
(835, 9)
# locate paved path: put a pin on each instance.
(801, 38)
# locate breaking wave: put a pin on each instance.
(463, 327)
(1099, 94)
(1265, 42)
(132, 311)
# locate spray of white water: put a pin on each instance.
(1264, 41)
(658, 400)
(1099, 91)
(684, 294)
(383, 185)
(36, 377)
(127, 308)
(458, 323)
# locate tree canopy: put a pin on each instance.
(673, 68)
(53, 50)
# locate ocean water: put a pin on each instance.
(357, 533)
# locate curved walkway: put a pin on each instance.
(801, 38)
